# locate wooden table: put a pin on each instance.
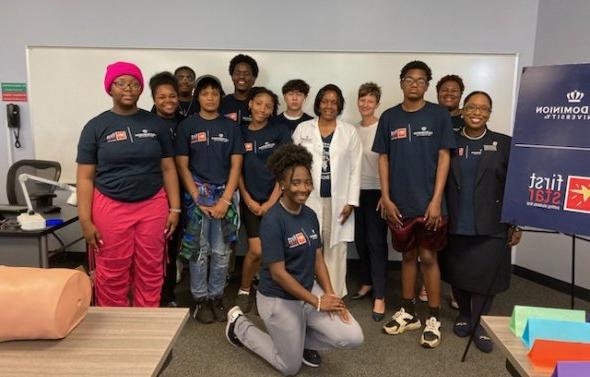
(108, 342)
(517, 361)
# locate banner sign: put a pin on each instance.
(548, 183)
(14, 92)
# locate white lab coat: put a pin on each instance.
(345, 165)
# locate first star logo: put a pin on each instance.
(577, 197)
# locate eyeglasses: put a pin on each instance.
(133, 85)
(189, 78)
(472, 108)
(410, 80)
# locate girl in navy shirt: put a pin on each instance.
(209, 159)
(258, 186)
(297, 311)
(128, 198)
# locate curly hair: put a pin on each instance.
(416, 64)
(163, 78)
(454, 78)
(286, 158)
(258, 90)
(241, 58)
(296, 85)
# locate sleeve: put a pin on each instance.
(381, 142)
(237, 141)
(165, 139)
(88, 145)
(447, 137)
(271, 238)
(356, 155)
(284, 135)
(181, 143)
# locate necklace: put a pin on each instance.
(476, 137)
(182, 110)
(290, 210)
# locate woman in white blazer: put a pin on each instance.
(336, 172)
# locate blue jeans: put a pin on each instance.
(213, 258)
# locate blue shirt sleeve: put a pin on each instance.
(381, 142)
(181, 143)
(447, 140)
(271, 238)
(88, 146)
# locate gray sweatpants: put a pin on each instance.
(293, 325)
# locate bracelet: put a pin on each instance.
(516, 228)
(226, 202)
(319, 303)
(175, 210)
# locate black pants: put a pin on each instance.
(168, 294)
(371, 242)
(471, 304)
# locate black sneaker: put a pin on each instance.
(311, 358)
(219, 310)
(400, 322)
(203, 313)
(244, 302)
(232, 316)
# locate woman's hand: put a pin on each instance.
(432, 216)
(331, 303)
(514, 236)
(345, 213)
(254, 207)
(219, 210)
(171, 224)
(91, 234)
(392, 213)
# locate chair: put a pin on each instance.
(41, 194)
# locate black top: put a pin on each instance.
(293, 239)
(258, 146)
(187, 108)
(209, 145)
(326, 175)
(127, 151)
(235, 109)
(291, 123)
(412, 141)
(468, 159)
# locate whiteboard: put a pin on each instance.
(66, 83)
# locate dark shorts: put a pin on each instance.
(251, 221)
(412, 234)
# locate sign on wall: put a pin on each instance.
(14, 92)
(548, 183)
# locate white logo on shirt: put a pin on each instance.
(145, 134)
(424, 132)
(220, 138)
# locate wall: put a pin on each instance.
(560, 29)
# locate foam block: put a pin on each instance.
(572, 369)
(550, 329)
(520, 315)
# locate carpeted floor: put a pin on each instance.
(202, 350)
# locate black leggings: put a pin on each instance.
(470, 304)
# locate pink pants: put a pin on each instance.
(132, 254)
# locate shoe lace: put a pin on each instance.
(399, 314)
(432, 325)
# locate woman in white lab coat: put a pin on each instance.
(336, 150)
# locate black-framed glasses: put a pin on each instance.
(470, 108)
(133, 85)
(410, 81)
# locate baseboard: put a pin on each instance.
(550, 282)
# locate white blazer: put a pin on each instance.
(345, 165)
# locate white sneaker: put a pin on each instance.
(232, 316)
(400, 322)
(431, 334)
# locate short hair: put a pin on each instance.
(370, 88)
(206, 81)
(322, 92)
(287, 157)
(454, 78)
(296, 85)
(163, 78)
(478, 92)
(258, 90)
(416, 64)
(241, 58)
(185, 68)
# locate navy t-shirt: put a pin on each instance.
(172, 124)
(412, 141)
(209, 145)
(458, 123)
(326, 175)
(291, 124)
(127, 151)
(468, 162)
(258, 146)
(293, 239)
(235, 109)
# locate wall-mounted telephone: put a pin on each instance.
(13, 117)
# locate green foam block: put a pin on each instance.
(521, 314)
